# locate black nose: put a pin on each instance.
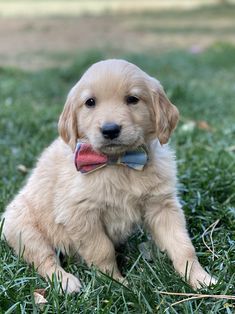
(110, 130)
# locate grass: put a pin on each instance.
(202, 86)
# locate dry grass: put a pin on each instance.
(80, 7)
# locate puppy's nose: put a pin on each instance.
(110, 130)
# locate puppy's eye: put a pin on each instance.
(90, 103)
(132, 100)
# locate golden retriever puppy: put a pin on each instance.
(122, 120)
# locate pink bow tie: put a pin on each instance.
(88, 160)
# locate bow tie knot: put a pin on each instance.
(87, 160)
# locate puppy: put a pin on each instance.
(121, 118)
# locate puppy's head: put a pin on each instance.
(115, 107)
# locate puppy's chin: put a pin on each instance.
(112, 148)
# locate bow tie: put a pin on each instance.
(87, 160)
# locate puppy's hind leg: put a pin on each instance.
(27, 240)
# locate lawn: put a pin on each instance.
(202, 86)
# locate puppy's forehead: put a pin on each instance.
(113, 74)
(113, 67)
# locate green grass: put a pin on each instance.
(203, 88)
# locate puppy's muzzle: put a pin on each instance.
(110, 131)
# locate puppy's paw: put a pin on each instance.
(70, 283)
(200, 278)
(64, 281)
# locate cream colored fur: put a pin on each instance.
(60, 208)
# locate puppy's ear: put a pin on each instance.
(67, 126)
(166, 114)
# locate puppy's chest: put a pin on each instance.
(121, 211)
(120, 193)
(121, 205)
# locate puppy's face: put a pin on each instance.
(116, 107)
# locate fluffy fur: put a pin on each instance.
(88, 215)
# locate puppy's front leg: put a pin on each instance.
(96, 248)
(167, 225)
